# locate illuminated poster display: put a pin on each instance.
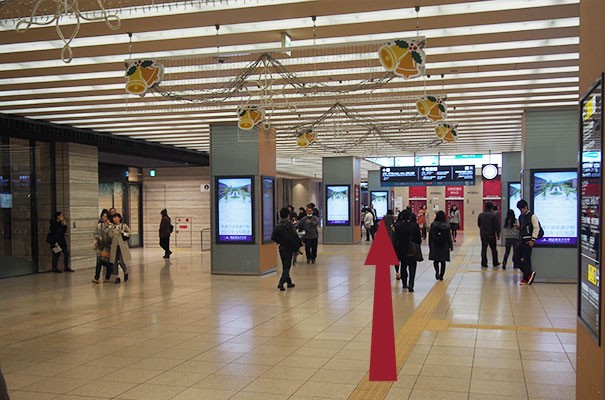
(555, 202)
(514, 195)
(337, 205)
(6, 200)
(268, 196)
(235, 209)
(380, 200)
(589, 254)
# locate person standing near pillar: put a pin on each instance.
(309, 224)
(58, 243)
(165, 231)
(529, 232)
(489, 230)
(286, 237)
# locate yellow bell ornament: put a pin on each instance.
(306, 138)
(406, 59)
(447, 132)
(249, 117)
(142, 75)
(431, 107)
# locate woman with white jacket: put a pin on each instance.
(120, 253)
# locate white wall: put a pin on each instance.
(177, 190)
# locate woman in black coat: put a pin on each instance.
(440, 244)
(58, 243)
(406, 232)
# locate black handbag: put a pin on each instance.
(414, 252)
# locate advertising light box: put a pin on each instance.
(268, 208)
(380, 201)
(235, 209)
(555, 202)
(514, 195)
(338, 205)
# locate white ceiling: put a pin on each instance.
(492, 60)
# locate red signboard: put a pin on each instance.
(492, 187)
(417, 192)
(454, 192)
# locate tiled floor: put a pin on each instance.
(176, 332)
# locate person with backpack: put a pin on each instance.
(440, 244)
(406, 233)
(489, 230)
(529, 231)
(286, 237)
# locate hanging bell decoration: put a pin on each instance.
(447, 132)
(306, 138)
(403, 58)
(432, 107)
(249, 117)
(142, 75)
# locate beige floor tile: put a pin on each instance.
(498, 374)
(171, 378)
(551, 391)
(18, 381)
(326, 390)
(56, 384)
(462, 361)
(479, 386)
(198, 367)
(548, 366)
(336, 376)
(265, 396)
(206, 394)
(487, 362)
(132, 375)
(421, 394)
(482, 396)
(225, 382)
(21, 395)
(244, 370)
(293, 373)
(439, 371)
(398, 393)
(550, 378)
(442, 384)
(284, 387)
(152, 392)
(498, 354)
(102, 388)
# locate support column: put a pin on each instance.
(550, 140)
(77, 169)
(237, 153)
(511, 172)
(343, 171)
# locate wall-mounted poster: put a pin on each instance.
(337, 205)
(591, 184)
(514, 195)
(380, 201)
(268, 207)
(357, 205)
(555, 202)
(6, 200)
(235, 209)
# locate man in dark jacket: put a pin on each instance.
(309, 223)
(165, 231)
(286, 237)
(529, 230)
(489, 230)
(406, 232)
(58, 243)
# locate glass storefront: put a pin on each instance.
(26, 203)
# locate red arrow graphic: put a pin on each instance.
(383, 364)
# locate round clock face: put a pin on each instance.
(489, 171)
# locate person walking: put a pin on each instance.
(166, 229)
(309, 223)
(286, 237)
(489, 230)
(58, 243)
(510, 233)
(103, 245)
(120, 252)
(407, 232)
(368, 223)
(3, 388)
(529, 232)
(440, 244)
(454, 220)
(423, 218)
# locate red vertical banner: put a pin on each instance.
(417, 192)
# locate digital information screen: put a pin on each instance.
(6, 200)
(514, 195)
(380, 200)
(555, 202)
(338, 205)
(440, 175)
(589, 254)
(268, 217)
(235, 209)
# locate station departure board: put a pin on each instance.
(439, 175)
